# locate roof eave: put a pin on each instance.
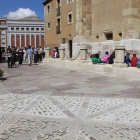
(46, 2)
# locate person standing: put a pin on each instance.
(35, 55)
(25, 56)
(9, 57)
(20, 55)
(30, 54)
(14, 58)
(41, 52)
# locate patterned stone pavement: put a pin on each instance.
(51, 102)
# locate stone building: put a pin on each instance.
(3, 34)
(26, 31)
(98, 24)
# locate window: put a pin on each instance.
(2, 23)
(58, 31)
(58, 9)
(37, 29)
(42, 29)
(48, 9)
(12, 29)
(120, 34)
(22, 29)
(27, 29)
(70, 18)
(32, 29)
(17, 29)
(3, 32)
(58, 3)
(97, 37)
(3, 40)
(48, 25)
(108, 35)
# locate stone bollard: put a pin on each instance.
(119, 57)
(83, 53)
(62, 52)
(47, 52)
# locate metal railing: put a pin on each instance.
(58, 31)
(58, 11)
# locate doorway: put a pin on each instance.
(70, 48)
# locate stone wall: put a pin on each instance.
(106, 16)
(131, 19)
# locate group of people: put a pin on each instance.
(55, 53)
(15, 54)
(110, 59)
(133, 61)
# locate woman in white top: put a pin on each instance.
(25, 56)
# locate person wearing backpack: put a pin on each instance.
(134, 61)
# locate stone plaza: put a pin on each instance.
(54, 102)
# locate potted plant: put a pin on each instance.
(1, 74)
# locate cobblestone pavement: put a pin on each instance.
(51, 102)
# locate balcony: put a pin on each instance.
(58, 31)
(58, 11)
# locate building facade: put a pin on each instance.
(25, 32)
(99, 25)
(3, 34)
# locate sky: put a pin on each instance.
(16, 9)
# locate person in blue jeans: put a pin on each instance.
(127, 59)
(35, 55)
(30, 55)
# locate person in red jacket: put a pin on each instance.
(134, 61)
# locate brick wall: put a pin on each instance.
(27, 40)
(18, 40)
(42, 40)
(12, 40)
(22, 40)
(37, 40)
(32, 40)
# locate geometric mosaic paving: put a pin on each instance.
(101, 104)
(45, 108)
(71, 103)
(52, 102)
